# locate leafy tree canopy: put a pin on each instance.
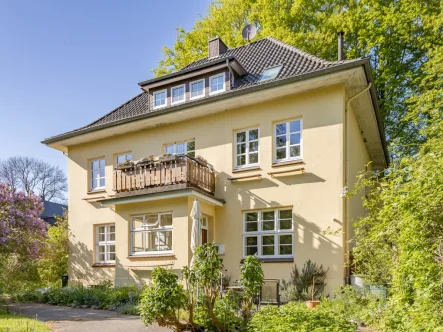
(398, 37)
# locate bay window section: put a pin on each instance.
(288, 141)
(151, 234)
(247, 148)
(105, 244)
(268, 233)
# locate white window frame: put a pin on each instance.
(156, 230)
(106, 243)
(210, 84)
(121, 155)
(288, 140)
(166, 98)
(190, 89)
(277, 232)
(247, 152)
(262, 79)
(175, 147)
(98, 178)
(172, 94)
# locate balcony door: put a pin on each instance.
(204, 228)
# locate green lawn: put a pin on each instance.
(15, 323)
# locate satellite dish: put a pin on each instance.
(249, 32)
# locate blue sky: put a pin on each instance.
(64, 64)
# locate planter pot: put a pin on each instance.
(378, 291)
(124, 168)
(145, 163)
(168, 158)
(312, 304)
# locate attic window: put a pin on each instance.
(159, 98)
(270, 73)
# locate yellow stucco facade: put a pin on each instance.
(314, 197)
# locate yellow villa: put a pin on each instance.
(268, 138)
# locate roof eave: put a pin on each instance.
(186, 71)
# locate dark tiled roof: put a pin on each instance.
(52, 209)
(254, 57)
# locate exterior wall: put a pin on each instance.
(358, 160)
(313, 196)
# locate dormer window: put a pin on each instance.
(178, 94)
(270, 73)
(217, 83)
(198, 89)
(159, 98)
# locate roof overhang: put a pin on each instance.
(355, 76)
(188, 192)
(193, 72)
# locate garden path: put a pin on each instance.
(65, 319)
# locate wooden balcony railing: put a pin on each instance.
(181, 172)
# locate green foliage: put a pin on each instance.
(397, 243)
(297, 317)
(251, 277)
(12, 322)
(398, 37)
(163, 300)
(102, 296)
(299, 287)
(54, 262)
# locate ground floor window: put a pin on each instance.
(268, 233)
(151, 234)
(105, 244)
(204, 227)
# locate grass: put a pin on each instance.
(16, 323)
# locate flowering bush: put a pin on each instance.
(22, 232)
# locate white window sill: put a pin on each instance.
(273, 259)
(287, 162)
(198, 97)
(97, 190)
(246, 168)
(161, 106)
(178, 102)
(216, 92)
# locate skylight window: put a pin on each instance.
(270, 73)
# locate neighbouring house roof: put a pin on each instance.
(253, 58)
(52, 209)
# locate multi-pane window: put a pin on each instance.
(268, 233)
(217, 83)
(204, 227)
(151, 233)
(159, 98)
(97, 174)
(178, 94)
(288, 140)
(198, 89)
(105, 244)
(123, 157)
(182, 148)
(247, 148)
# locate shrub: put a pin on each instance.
(163, 300)
(297, 317)
(299, 287)
(251, 276)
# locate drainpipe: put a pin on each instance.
(231, 72)
(341, 53)
(345, 182)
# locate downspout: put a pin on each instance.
(346, 183)
(231, 72)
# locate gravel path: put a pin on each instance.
(65, 319)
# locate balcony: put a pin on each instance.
(173, 173)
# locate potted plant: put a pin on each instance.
(168, 157)
(226, 281)
(312, 303)
(125, 165)
(145, 161)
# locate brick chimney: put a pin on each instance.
(216, 47)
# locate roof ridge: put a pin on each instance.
(125, 103)
(222, 54)
(299, 51)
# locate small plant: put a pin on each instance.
(126, 163)
(146, 159)
(310, 283)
